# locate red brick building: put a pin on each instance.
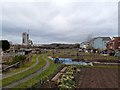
(114, 43)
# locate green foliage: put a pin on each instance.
(22, 75)
(4, 44)
(25, 66)
(19, 58)
(77, 45)
(67, 79)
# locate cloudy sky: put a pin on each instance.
(56, 21)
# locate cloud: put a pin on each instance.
(49, 22)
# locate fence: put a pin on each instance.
(11, 66)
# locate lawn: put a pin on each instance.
(45, 74)
(19, 76)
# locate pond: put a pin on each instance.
(68, 61)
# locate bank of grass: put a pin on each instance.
(28, 64)
(45, 74)
(22, 75)
(1, 84)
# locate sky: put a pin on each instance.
(58, 21)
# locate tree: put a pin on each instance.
(77, 45)
(4, 44)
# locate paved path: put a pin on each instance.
(29, 77)
(8, 75)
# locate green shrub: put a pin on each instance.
(19, 58)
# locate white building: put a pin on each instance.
(99, 42)
(25, 38)
(96, 43)
(30, 42)
(84, 45)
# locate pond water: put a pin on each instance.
(69, 61)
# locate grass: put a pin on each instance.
(90, 56)
(33, 61)
(51, 69)
(0, 84)
(22, 75)
(45, 74)
(86, 56)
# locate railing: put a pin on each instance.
(11, 66)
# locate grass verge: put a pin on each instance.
(52, 68)
(22, 75)
(33, 61)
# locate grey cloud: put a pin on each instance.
(49, 22)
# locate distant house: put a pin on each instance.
(84, 45)
(114, 43)
(99, 42)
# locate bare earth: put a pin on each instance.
(99, 78)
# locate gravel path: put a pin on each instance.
(29, 77)
(8, 75)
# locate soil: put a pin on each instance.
(99, 78)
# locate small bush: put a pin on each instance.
(19, 58)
